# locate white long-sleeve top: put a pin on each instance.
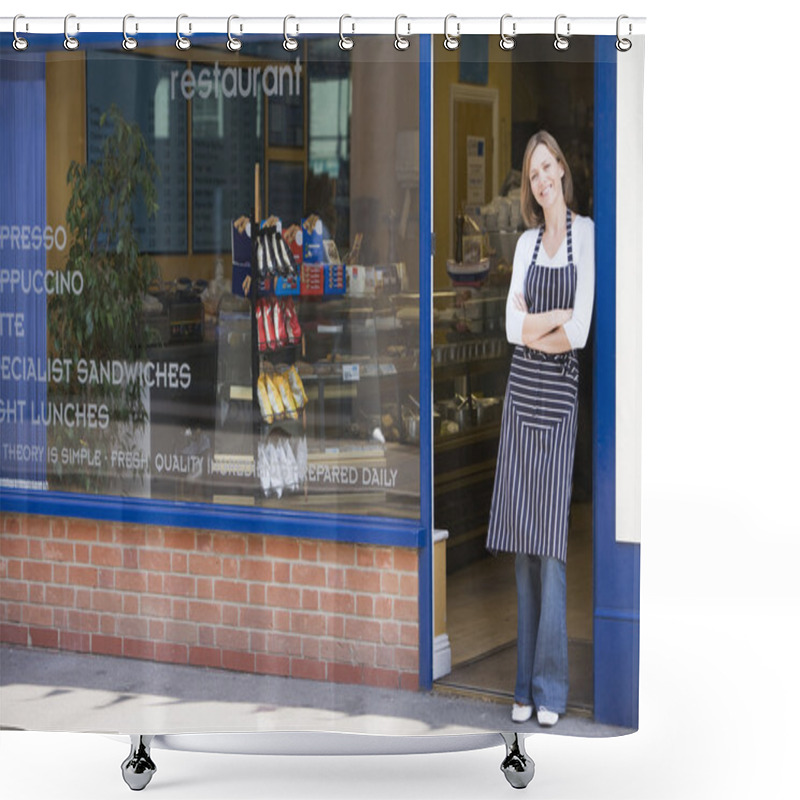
(576, 328)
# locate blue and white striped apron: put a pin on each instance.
(533, 480)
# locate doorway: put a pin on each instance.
(486, 131)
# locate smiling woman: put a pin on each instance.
(548, 311)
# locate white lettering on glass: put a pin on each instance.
(274, 80)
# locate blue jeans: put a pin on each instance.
(542, 668)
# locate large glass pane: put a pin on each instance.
(275, 361)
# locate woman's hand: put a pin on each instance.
(537, 326)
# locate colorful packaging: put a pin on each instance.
(296, 383)
(312, 279)
(267, 414)
(274, 395)
(313, 239)
(335, 279)
(285, 390)
(293, 330)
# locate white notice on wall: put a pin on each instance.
(476, 170)
(350, 372)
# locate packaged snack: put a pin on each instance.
(287, 397)
(275, 399)
(313, 237)
(292, 475)
(262, 331)
(269, 323)
(302, 460)
(285, 255)
(275, 470)
(263, 468)
(269, 251)
(276, 312)
(293, 236)
(267, 414)
(296, 383)
(293, 329)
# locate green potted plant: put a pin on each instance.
(102, 329)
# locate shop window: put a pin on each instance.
(283, 381)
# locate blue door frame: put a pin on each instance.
(425, 556)
(616, 564)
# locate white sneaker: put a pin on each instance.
(520, 713)
(545, 717)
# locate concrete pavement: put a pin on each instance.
(49, 690)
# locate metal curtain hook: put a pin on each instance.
(128, 42)
(507, 42)
(20, 43)
(182, 43)
(623, 45)
(400, 42)
(451, 42)
(234, 44)
(70, 42)
(345, 42)
(561, 42)
(288, 42)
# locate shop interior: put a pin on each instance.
(487, 105)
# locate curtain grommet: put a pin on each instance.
(451, 42)
(128, 42)
(233, 44)
(182, 43)
(623, 44)
(561, 42)
(507, 41)
(345, 42)
(70, 42)
(289, 43)
(401, 42)
(20, 42)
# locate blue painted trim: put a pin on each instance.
(616, 614)
(23, 201)
(616, 565)
(425, 377)
(270, 522)
(616, 647)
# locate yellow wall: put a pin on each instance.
(66, 135)
(445, 74)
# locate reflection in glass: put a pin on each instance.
(280, 364)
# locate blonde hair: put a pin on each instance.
(531, 210)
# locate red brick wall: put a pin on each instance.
(324, 610)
